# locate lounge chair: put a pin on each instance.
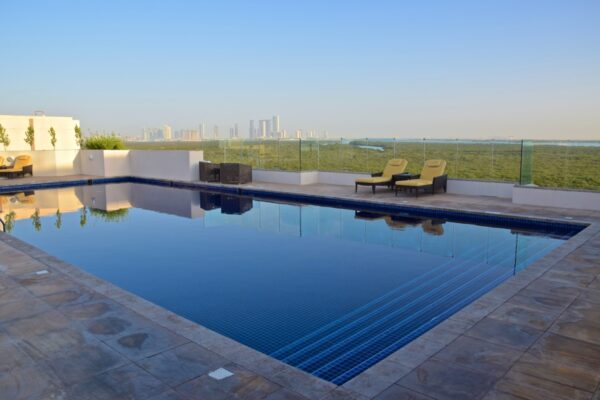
(386, 177)
(432, 178)
(22, 165)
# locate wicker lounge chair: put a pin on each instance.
(432, 178)
(385, 178)
(22, 165)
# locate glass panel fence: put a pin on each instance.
(554, 164)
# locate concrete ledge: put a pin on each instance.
(573, 199)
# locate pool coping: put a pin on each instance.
(368, 383)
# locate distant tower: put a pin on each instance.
(251, 129)
(216, 132)
(262, 128)
(269, 128)
(298, 133)
(283, 134)
(236, 132)
(201, 130)
(167, 132)
(276, 127)
(231, 133)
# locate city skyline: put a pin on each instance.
(385, 69)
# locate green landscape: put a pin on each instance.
(553, 165)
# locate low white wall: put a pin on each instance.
(573, 199)
(480, 188)
(282, 177)
(160, 164)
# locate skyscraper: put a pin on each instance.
(262, 128)
(201, 130)
(276, 128)
(167, 132)
(236, 131)
(216, 132)
(251, 129)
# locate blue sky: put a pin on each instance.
(355, 68)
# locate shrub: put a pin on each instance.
(104, 142)
(110, 216)
(4, 139)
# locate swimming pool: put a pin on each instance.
(328, 290)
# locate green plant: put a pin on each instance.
(110, 216)
(52, 134)
(83, 217)
(4, 139)
(78, 136)
(9, 221)
(30, 136)
(104, 142)
(58, 222)
(36, 220)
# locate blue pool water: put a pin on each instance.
(328, 290)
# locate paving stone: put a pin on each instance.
(553, 304)
(146, 340)
(126, 382)
(305, 384)
(51, 286)
(530, 387)
(243, 384)
(25, 308)
(377, 378)
(182, 364)
(13, 294)
(89, 310)
(476, 311)
(36, 325)
(168, 395)
(28, 382)
(12, 356)
(416, 352)
(505, 333)
(443, 380)
(577, 279)
(479, 355)
(286, 394)
(581, 321)
(80, 363)
(75, 295)
(396, 392)
(341, 393)
(524, 316)
(563, 360)
(560, 288)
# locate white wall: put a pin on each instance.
(480, 188)
(16, 125)
(573, 199)
(160, 164)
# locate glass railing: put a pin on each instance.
(566, 164)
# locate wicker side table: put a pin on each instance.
(209, 172)
(236, 173)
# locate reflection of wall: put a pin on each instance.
(184, 203)
(24, 204)
(106, 197)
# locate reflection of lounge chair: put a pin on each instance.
(384, 178)
(432, 178)
(433, 227)
(23, 165)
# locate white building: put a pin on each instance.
(167, 132)
(276, 127)
(16, 125)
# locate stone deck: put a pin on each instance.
(65, 334)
